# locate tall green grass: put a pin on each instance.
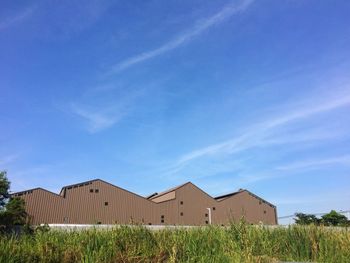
(237, 243)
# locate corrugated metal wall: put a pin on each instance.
(43, 206)
(100, 202)
(244, 204)
(105, 203)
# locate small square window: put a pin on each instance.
(264, 211)
(91, 190)
(181, 203)
(162, 221)
(181, 214)
(162, 216)
(206, 215)
(150, 224)
(96, 190)
(106, 203)
(206, 222)
(213, 208)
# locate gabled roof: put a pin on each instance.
(151, 195)
(100, 180)
(29, 191)
(167, 191)
(223, 197)
(263, 200)
(155, 195)
(77, 185)
(148, 198)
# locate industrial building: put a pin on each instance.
(99, 202)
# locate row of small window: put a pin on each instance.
(78, 185)
(24, 193)
(92, 190)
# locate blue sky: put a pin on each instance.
(151, 94)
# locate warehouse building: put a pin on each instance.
(99, 202)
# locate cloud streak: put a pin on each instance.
(187, 36)
(314, 164)
(105, 106)
(256, 135)
(18, 18)
(97, 121)
(8, 159)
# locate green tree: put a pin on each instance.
(306, 219)
(16, 211)
(4, 189)
(12, 210)
(334, 219)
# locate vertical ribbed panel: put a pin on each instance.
(80, 206)
(243, 204)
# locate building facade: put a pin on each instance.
(99, 202)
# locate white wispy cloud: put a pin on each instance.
(96, 120)
(342, 160)
(187, 36)
(105, 105)
(257, 135)
(310, 199)
(17, 18)
(48, 176)
(8, 159)
(101, 108)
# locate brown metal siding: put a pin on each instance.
(195, 204)
(165, 197)
(186, 205)
(123, 207)
(245, 205)
(43, 206)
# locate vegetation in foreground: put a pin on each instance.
(237, 243)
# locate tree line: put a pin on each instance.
(333, 218)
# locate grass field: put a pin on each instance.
(237, 243)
